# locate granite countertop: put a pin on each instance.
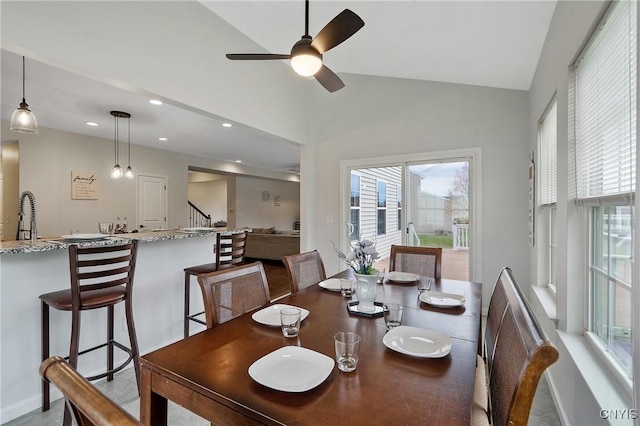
(57, 243)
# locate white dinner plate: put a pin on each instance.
(401, 277)
(292, 369)
(332, 284)
(84, 237)
(271, 314)
(417, 342)
(442, 300)
(198, 229)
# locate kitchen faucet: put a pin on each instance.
(32, 231)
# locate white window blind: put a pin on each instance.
(605, 107)
(548, 143)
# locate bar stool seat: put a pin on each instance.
(229, 252)
(62, 300)
(101, 277)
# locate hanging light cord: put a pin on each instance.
(129, 138)
(115, 139)
(23, 97)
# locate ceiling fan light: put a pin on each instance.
(306, 64)
(23, 120)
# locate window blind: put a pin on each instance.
(605, 107)
(548, 148)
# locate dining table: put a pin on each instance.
(208, 373)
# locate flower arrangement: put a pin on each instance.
(361, 256)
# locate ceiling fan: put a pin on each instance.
(306, 54)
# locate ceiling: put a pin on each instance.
(484, 43)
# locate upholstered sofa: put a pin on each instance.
(269, 243)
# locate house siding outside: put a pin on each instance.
(369, 178)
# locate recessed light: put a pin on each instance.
(227, 125)
(163, 139)
(238, 161)
(91, 123)
(155, 102)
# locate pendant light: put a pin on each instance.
(116, 170)
(23, 120)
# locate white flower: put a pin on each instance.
(361, 256)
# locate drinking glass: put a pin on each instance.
(105, 227)
(346, 286)
(290, 321)
(347, 348)
(424, 284)
(392, 315)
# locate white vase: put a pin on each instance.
(366, 288)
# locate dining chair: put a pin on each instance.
(425, 261)
(521, 355)
(88, 405)
(228, 252)
(230, 293)
(304, 270)
(101, 277)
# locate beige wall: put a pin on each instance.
(10, 192)
(253, 212)
(47, 159)
(210, 197)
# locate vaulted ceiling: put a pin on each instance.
(484, 43)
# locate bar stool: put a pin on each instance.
(101, 277)
(228, 252)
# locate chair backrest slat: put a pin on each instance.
(425, 261)
(520, 356)
(232, 292)
(95, 268)
(304, 270)
(87, 403)
(230, 249)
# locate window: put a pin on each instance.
(399, 196)
(548, 184)
(604, 105)
(355, 207)
(381, 196)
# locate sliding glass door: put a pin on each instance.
(423, 203)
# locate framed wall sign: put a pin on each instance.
(84, 186)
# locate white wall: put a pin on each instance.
(210, 197)
(580, 381)
(385, 117)
(253, 212)
(47, 159)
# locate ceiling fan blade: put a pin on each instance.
(343, 26)
(329, 79)
(255, 56)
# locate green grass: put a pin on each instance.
(445, 241)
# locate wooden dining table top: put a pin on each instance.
(207, 373)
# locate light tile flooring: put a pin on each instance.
(124, 392)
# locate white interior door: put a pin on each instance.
(152, 202)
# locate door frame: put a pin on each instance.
(474, 155)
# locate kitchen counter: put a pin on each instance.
(56, 243)
(28, 270)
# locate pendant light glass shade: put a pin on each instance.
(116, 171)
(23, 120)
